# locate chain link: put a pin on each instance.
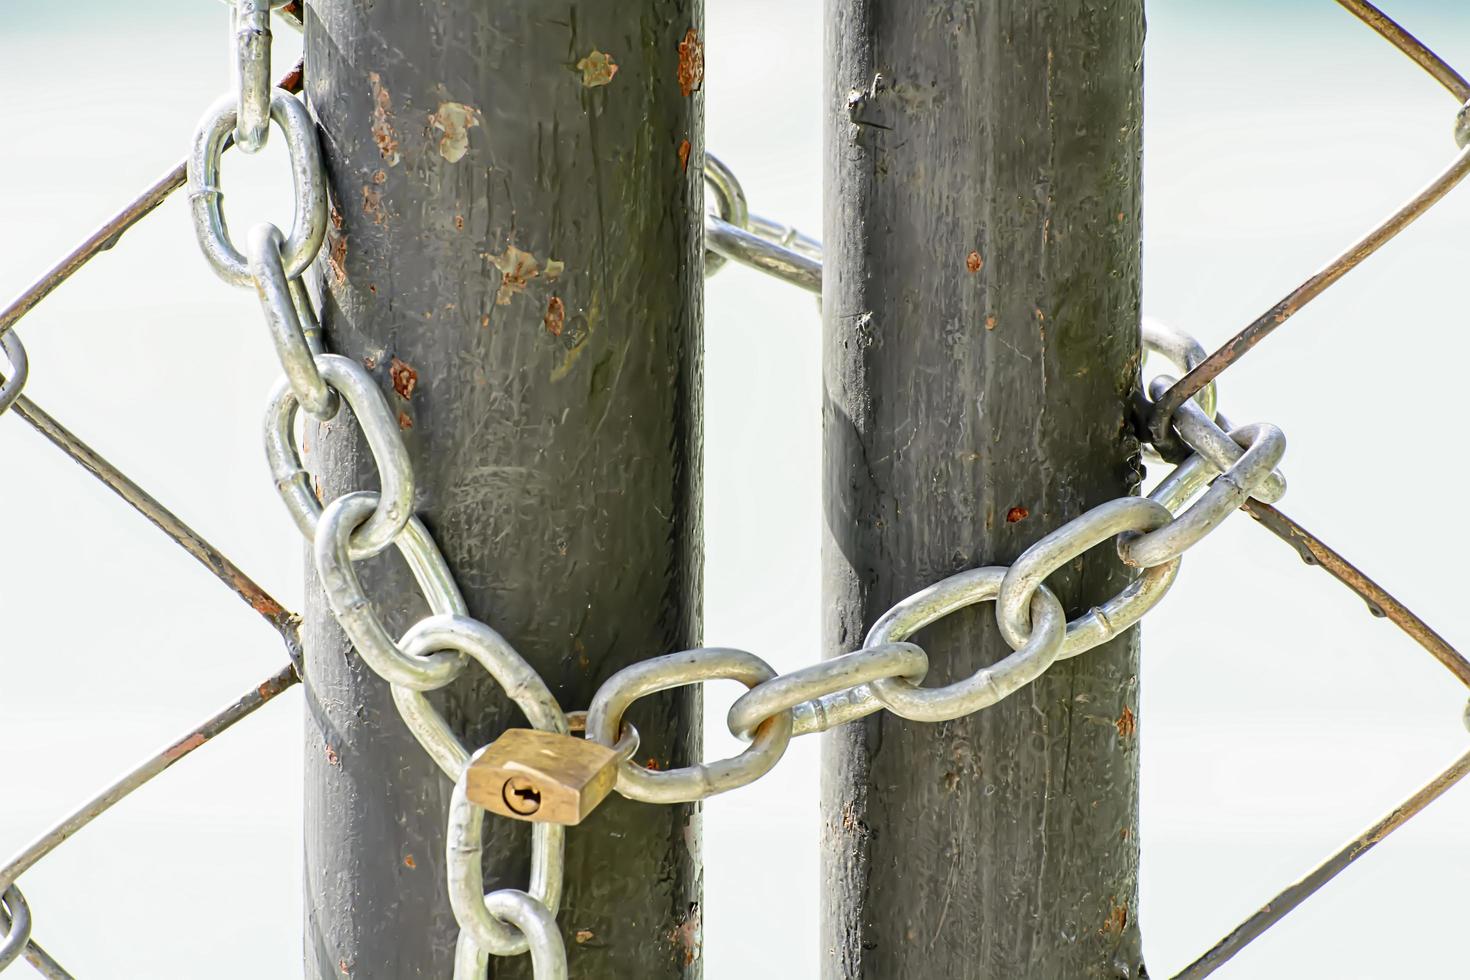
(535, 922)
(1209, 438)
(309, 223)
(15, 917)
(394, 505)
(291, 319)
(989, 684)
(464, 849)
(13, 380)
(768, 246)
(1225, 495)
(697, 782)
(806, 692)
(251, 21)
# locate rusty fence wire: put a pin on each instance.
(16, 939)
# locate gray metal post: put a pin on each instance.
(514, 253)
(981, 342)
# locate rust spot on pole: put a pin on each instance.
(1117, 920)
(382, 124)
(337, 248)
(372, 204)
(556, 316)
(1126, 723)
(684, 155)
(405, 378)
(974, 262)
(1016, 514)
(691, 63)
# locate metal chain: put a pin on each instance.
(15, 914)
(1224, 467)
(359, 525)
(14, 378)
(1220, 468)
(1152, 533)
(1227, 466)
(732, 232)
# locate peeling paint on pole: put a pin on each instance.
(454, 120)
(598, 68)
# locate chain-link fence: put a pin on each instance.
(1220, 468)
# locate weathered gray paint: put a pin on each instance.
(1003, 845)
(559, 471)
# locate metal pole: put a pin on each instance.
(514, 254)
(981, 344)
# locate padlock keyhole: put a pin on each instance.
(521, 795)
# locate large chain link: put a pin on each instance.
(15, 914)
(15, 918)
(13, 379)
(1226, 465)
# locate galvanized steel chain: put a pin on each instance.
(359, 525)
(15, 914)
(13, 378)
(732, 232)
(546, 774)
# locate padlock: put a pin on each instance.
(543, 777)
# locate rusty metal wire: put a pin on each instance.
(112, 229)
(226, 571)
(1261, 327)
(64, 829)
(1410, 46)
(1313, 550)
(284, 622)
(1293, 895)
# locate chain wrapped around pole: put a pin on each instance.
(1218, 468)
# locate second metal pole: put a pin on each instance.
(981, 344)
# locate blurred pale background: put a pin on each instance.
(1278, 718)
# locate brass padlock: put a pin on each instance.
(544, 777)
